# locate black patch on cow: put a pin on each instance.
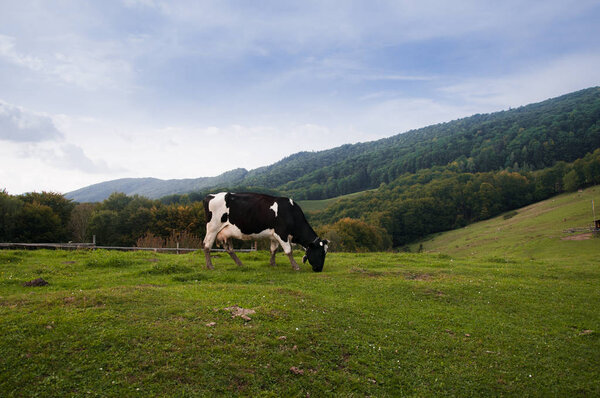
(224, 217)
(250, 212)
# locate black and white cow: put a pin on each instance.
(251, 216)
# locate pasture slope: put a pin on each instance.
(503, 322)
(533, 232)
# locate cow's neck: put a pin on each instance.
(306, 236)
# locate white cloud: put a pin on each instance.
(69, 157)
(21, 125)
(86, 64)
(8, 51)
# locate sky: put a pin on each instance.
(92, 91)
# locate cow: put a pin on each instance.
(252, 216)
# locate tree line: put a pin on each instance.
(408, 208)
(120, 220)
(444, 198)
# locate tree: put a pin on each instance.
(10, 208)
(80, 220)
(38, 223)
(59, 205)
(351, 235)
(571, 181)
(104, 224)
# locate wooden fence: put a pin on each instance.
(92, 246)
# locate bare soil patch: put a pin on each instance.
(585, 236)
(36, 282)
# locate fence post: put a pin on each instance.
(177, 247)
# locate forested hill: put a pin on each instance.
(528, 138)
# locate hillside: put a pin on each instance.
(532, 232)
(527, 138)
(153, 187)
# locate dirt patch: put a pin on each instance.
(289, 292)
(36, 282)
(585, 236)
(418, 277)
(436, 293)
(241, 312)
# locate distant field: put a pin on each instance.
(113, 324)
(318, 205)
(534, 232)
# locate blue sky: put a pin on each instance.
(97, 90)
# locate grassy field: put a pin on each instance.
(318, 205)
(142, 324)
(533, 232)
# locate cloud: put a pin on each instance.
(8, 51)
(70, 156)
(91, 65)
(21, 125)
(36, 136)
(64, 156)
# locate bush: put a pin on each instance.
(351, 235)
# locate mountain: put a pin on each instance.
(153, 187)
(530, 137)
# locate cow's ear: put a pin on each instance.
(325, 242)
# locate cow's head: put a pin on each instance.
(315, 254)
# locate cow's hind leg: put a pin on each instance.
(209, 239)
(229, 249)
(274, 245)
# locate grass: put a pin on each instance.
(533, 232)
(322, 204)
(384, 324)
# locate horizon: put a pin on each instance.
(326, 149)
(153, 89)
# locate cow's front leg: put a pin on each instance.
(295, 265)
(287, 249)
(274, 245)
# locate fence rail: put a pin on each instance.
(92, 246)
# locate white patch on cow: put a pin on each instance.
(321, 243)
(275, 207)
(286, 245)
(232, 231)
(291, 202)
(217, 208)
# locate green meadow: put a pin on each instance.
(504, 308)
(537, 231)
(141, 324)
